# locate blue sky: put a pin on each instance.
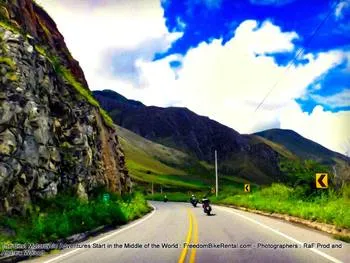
(220, 58)
(218, 19)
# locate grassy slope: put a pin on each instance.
(151, 162)
(307, 149)
(277, 147)
(327, 206)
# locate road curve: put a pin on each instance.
(234, 236)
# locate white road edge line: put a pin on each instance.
(108, 236)
(230, 210)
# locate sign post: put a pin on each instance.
(106, 197)
(216, 174)
(322, 180)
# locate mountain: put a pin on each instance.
(178, 128)
(169, 168)
(152, 162)
(300, 146)
(197, 136)
(308, 149)
(54, 136)
(254, 157)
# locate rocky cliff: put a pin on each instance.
(53, 134)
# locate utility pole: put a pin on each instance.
(216, 174)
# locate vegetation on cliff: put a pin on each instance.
(45, 106)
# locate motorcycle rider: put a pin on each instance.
(193, 200)
(206, 204)
(205, 201)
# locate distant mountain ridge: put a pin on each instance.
(175, 127)
(301, 146)
(254, 157)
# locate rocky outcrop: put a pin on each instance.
(31, 19)
(51, 138)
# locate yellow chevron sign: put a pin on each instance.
(247, 188)
(322, 180)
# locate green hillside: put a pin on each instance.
(172, 169)
(151, 162)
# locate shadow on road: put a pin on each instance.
(211, 215)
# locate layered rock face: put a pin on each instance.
(51, 138)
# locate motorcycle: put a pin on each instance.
(194, 202)
(206, 206)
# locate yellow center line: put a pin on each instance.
(195, 238)
(188, 239)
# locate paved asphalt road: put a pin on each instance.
(250, 236)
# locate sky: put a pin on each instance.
(221, 59)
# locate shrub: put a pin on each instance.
(277, 191)
(65, 215)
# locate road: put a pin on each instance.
(250, 237)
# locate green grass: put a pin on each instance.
(41, 50)
(138, 159)
(65, 215)
(277, 147)
(9, 62)
(151, 153)
(11, 76)
(151, 162)
(67, 75)
(4, 23)
(326, 206)
(82, 91)
(342, 238)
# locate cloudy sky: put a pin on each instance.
(221, 58)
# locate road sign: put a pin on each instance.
(322, 180)
(105, 197)
(247, 188)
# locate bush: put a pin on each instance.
(65, 215)
(328, 206)
(346, 191)
(277, 191)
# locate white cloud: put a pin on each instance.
(223, 82)
(263, 36)
(181, 24)
(341, 99)
(227, 82)
(341, 8)
(96, 31)
(332, 130)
